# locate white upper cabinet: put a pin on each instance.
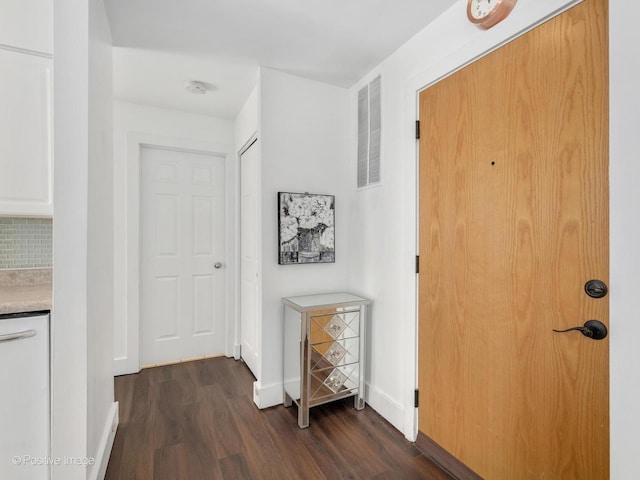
(26, 163)
(25, 135)
(27, 25)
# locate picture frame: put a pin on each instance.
(306, 228)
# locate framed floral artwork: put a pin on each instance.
(306, 231)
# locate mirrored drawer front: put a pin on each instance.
(335, 380)
(334, 326)
(331, 354)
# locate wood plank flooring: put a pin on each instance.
(197, 421)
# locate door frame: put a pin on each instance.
(253, 141)
(471, 51)
(135, 142)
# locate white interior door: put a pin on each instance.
(249, 247)
(182, 248)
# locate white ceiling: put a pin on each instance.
(161, 43)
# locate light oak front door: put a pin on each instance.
(513, 223)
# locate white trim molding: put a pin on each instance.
(268, 395)
(101, 457)
(135, 141)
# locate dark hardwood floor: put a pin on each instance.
(197, 421)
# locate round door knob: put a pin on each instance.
(217, 265)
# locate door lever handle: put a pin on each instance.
(593, 329)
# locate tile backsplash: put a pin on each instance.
(26, 243)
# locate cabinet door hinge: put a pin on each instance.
(417, 264)
(416, 398)
(417, 129)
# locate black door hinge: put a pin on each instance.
(417, 263)
(416, 398)
(417, 129)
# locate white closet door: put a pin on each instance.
(182, 248)
(249, 247)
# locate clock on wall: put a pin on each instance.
(486, 13)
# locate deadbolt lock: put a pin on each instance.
(596, 288)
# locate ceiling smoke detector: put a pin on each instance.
(195, 87)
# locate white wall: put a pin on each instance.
(303, 148)
(69, 315)
(134, 125)
(624, 47)
(102, 412)
(246, 123)
(83, 410)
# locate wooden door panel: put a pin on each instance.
(514, 221)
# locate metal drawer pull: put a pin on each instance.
(17, 335)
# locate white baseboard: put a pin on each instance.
(124, 366)
(271, 395)
(236, 351)
(391, 410)
(268, 395)
(106, 443)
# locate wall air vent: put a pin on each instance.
(369, 133)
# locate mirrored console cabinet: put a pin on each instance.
(324, 350)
